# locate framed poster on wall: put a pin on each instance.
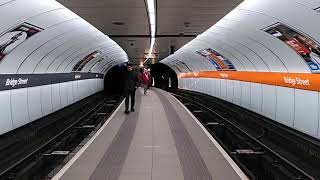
(14, 37)
(183, 65)
(307, 48)
(175, 66)
(85, 60)
(220, 62)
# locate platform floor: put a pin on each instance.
(161, 140)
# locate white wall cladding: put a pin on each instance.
(29, 104)
(46, 99)
(64, 94)
(19, 107)
(241, 38)
(65, 40)
(306, 111)
(34, 103)
(256, 97)
(55, 94)
(5, 111)
(269, 101)
(296, 108)
(237, 92)
(230, 91)
(70, 95)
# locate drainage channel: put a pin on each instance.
(45, 161)
(256, 159)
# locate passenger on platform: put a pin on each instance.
(143, 79)
(150, 78)
(131, 80)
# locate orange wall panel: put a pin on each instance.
(305, 81)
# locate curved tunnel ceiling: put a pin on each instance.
(60, 40)
(241, 37)
(126, 22)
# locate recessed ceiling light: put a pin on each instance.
(118, 23)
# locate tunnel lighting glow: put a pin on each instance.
(152, 21)
(151, 6)
(151, 45)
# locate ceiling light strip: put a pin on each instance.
(152, 21)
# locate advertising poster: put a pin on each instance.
(220, 62)
(16, 36)
(183, 65)
(94, 65)
(308, 49)
(109, 65)
(175, 67)
(85, 60)
(180, 66)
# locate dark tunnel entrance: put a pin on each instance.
(164, 76)
(114, 79)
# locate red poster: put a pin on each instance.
(85, 60)
(296, 45)
(306, 47)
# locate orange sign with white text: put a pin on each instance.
(305, 81)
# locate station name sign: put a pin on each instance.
(16, 82)
(296, 81)
(77, 76)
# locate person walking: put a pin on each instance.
(130, 85)
(150, 78)
(144, 80)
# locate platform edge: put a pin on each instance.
(234, 166)
(81, 151)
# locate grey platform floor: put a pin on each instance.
(161, 140)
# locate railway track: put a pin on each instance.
(263, 149)
(51, 145)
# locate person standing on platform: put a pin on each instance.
(131, 80)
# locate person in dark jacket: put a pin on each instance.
(131, 80)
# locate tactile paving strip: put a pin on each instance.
(113, 160)
(191, 161)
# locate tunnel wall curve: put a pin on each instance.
(49, 58)
(264, 56)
